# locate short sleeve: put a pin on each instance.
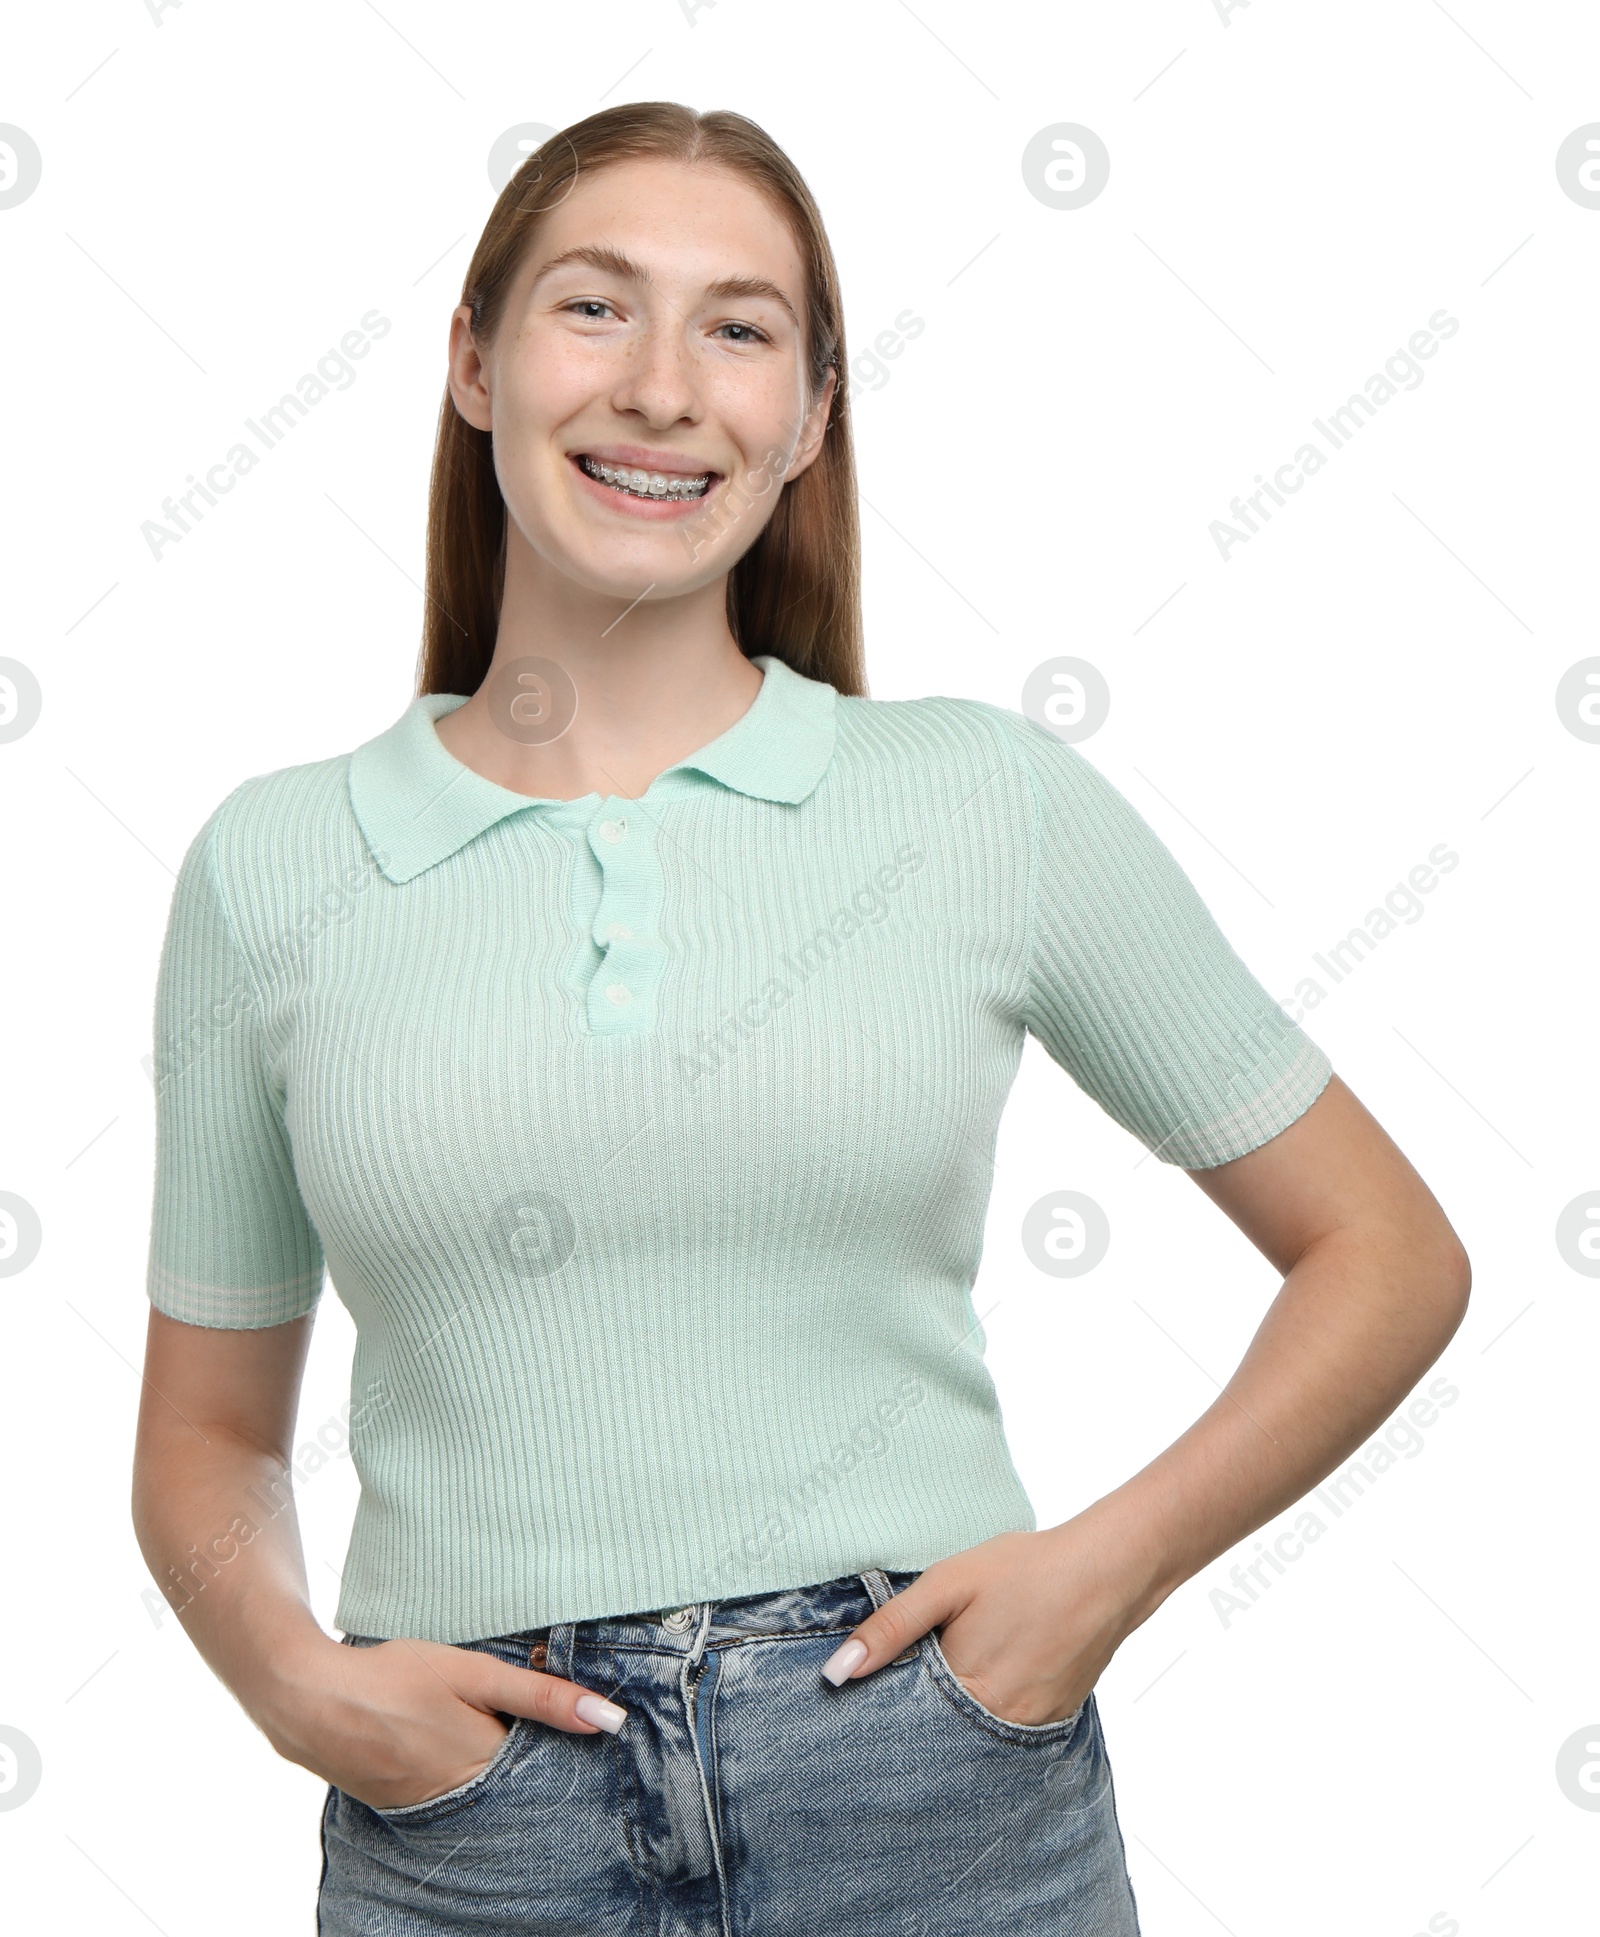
(1133, 988)
(231, 1242)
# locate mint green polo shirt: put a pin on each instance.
(649, 1142)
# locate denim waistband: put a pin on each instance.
(817, 1607)
(698, 1627)
(821, 1607)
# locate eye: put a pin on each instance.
(585, 306)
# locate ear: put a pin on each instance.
(466, 374)
(815, 426)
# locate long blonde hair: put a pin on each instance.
(796, 593)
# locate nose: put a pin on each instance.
(657, 380)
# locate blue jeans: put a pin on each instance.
(747, 1797)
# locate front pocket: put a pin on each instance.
(410, 1812)
(962, 1698)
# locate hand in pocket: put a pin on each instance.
(404, 1721)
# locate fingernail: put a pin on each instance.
(604, 1714)
(849, 1654)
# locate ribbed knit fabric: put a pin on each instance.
(649, 1142)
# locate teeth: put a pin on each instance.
(646, 484)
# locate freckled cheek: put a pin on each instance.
(527, 464)
(774, 418)
(755, 419)
(533, 409)
(546, 384)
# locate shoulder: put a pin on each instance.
(279, 834)
(934, 728)
(285, 805)
(999, 774)
(940, 733)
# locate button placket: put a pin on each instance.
(621, 996)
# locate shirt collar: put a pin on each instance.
(416, 803)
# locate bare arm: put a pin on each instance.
(213, 1510)
(211, 1465)
(1375, 1285)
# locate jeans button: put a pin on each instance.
(679, 1621)
(538, 1654)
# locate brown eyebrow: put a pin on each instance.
(612, 261)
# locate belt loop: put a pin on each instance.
(556, 1650)
(702, 1630)
(876, 1582)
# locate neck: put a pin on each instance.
(619, 690)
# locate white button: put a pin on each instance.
(618, 933)
(613, 830)
(619, 992)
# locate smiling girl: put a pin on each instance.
(640, 1099)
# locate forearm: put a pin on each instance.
(1359, 1318)
(215, 1521)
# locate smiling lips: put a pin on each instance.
(636, 482)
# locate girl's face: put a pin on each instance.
(655, 327)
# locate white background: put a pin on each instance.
(1293, 192)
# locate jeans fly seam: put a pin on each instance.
(708, 1691)
(690, 1694)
